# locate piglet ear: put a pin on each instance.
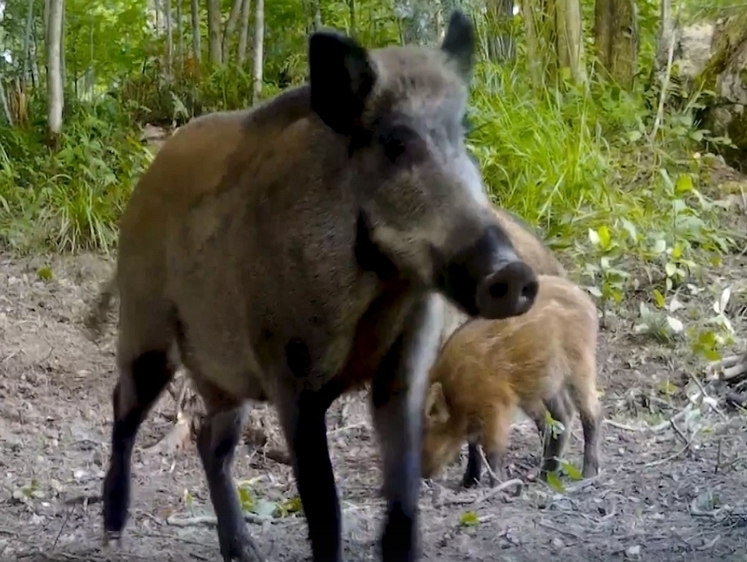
(341, 77)
(459, 43)
(436, 408)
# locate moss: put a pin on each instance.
(727, 40)
(737, 130)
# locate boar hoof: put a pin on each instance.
(242, 549)
(113, 539)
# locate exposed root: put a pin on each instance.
(731, 369)
(183, 431)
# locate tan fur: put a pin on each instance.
(489, 368)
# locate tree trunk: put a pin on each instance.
(63, 63)
(500, 14)
(54, 70)
(179, 35)
(570, 41)
(616, 39)
(196, 43)
(233, 19)
(259, 35)
(27, 58)
(317, 14)
(4, 102)
(169, 40)
(213, 8)
(417, 20)
(246, 11)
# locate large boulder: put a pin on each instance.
(725, 74)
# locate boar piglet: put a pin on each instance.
(542, 361)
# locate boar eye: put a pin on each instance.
(395, 140)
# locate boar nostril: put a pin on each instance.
(499, 290)
(530, 290)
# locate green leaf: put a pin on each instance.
(572, 472)
(264, 508)
(246, 498)
(469, 519)
(659, 299)
(44, 273)
(683, 184)
(553, 480)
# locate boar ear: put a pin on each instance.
(341, 77)
(459, 43)
(435, 404)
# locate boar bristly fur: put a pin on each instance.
(542, 361)
(292, 252)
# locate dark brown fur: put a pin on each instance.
(543, 360)
(290, 253)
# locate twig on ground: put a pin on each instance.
(83, 499)
(212, 521)
(704, 397)
(560, 531)
(623, 426)
(732, 369)
(64, 522)
(678, 431)
(718, 458)
(495, 490)
(675, 455)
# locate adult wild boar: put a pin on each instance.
(291, 252)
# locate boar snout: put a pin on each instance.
(486, 278)
(510, 291)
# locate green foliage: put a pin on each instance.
(72, 199)
(577, 161)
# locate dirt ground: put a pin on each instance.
(674, 493)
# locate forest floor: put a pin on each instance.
(674, 493)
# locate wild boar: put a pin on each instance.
(290, 253)
(544, 360)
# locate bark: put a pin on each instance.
(616, 39)
(570, 42)
(27, 57)
(233, 18)
(214, 45)
(169, 39)
(196, 39)
(54, 70)
(317, 14)
(246, 11)
(417, 20)
(259, 33)
(179, 35)
(4, 102)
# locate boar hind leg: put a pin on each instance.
(554, 438)
(397, 397)
(219, 434)
(584, 396)
(140, 383)
(495, 441)
(474, 465)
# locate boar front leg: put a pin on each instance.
(303, 418)
(397, 397)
